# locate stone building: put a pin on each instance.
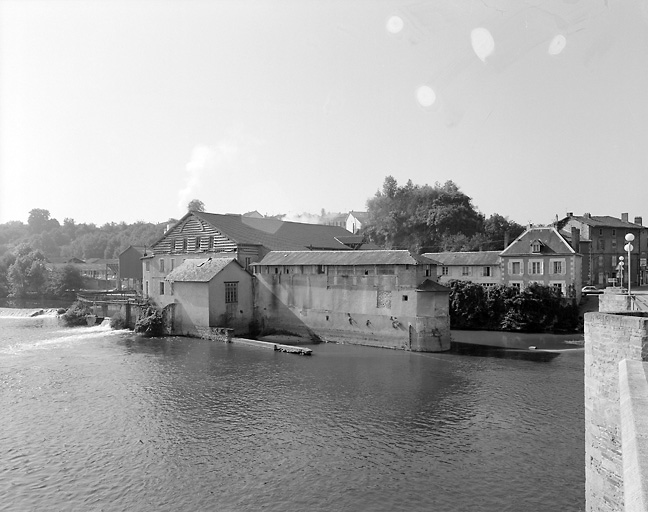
(381, 298)
(481, 267)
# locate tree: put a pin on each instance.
(196, 205)
(64, 280)
(421, 217)
(498, 229)
(38, 219)
(27, 274)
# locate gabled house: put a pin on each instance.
(481, 267)
(208, 292)
(542, 255)
(601, 240)
(355, 221)
(130, 267)
(380, 298)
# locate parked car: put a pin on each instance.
(591, 290)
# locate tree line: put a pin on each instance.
(439, 218)
(26, 248)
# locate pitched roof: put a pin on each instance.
(275, 234)
(553, 242)
(381, 257)
(361, 216)
(465, 258)
(198, 270)
(432, 286)
(605, 221)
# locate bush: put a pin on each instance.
(118, 321)
(151, 322)
(537, 308)
(76, 314)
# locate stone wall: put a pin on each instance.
(609, 340)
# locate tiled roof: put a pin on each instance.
(276, 234)
(198, 270)
(553, 242)
(465, 258)
(361, 216)
(431, 286)
(605, 221)
(344, 258)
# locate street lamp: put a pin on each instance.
(628, 247)
(620, 269)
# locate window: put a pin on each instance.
(516, 268)
(147, 264)
(601, 244)
(172, 263)
(486, 271)
(557, 287)
(614, 232)
(198, 243)
(535, 267)
(231, 293)
(428, 271)
(444, 271)
(212, 240)
(535, 247)
(601, 232)
(247, 262)
(161, 264)
(184, 245)
(516, 285)
(465, 271)
(405, 298)
(146, 287)
(161, 287)
(557, 267)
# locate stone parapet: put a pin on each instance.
(609, 339)
(633, 392)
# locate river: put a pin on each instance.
(95, 419)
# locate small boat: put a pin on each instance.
(530, 354)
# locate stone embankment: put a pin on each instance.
(616, 404)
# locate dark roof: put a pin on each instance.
(605, 221)
(382, 257)
(553, 242)
(198, 270)
(276, 234)
(361, 216)
(432, 286)
(465, 258)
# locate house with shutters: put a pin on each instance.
(542, 255)
(380, 298)
(481, 267)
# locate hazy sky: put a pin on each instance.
(126, 110)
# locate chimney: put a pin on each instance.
(570, 214)
(575, 239)
(587, 215)
(507, 239)
(638, 221)
(624, 217)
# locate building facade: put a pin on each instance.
(481, 267)
(601, 241)
(380, 298)
(542, 255)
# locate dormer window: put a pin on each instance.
(536, 246)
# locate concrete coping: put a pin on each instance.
(633, 394)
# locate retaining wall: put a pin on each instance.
(610, 339)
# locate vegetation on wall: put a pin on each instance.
(537, 308)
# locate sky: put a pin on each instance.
(125, 110)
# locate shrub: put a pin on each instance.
(76, 314)
(151, 323)
(118, 321)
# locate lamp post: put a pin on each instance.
(620, 269)
(628, 247)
